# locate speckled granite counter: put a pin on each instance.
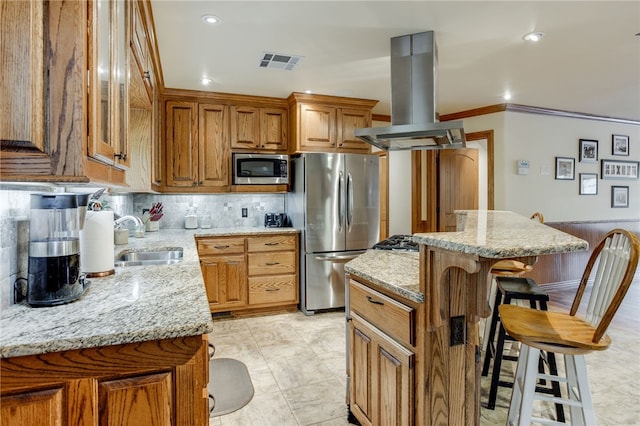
(396, 271)
(137, 303)
(500, 235)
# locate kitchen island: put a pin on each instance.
(132, 350)
(415, 351)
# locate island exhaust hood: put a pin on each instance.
(414, 120)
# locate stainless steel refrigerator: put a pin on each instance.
(334, 200)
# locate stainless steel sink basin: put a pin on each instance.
(152, 256)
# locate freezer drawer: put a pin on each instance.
(324, 283)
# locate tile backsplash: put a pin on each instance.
(225, 211)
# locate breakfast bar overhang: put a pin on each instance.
(456, 281)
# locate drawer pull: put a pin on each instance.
(221, 247)
(271, 244)
(272, 263)
(273, 289)
(375, 302)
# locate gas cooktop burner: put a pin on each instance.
(397, 242)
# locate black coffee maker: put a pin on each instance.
(54, 249)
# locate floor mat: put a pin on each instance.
(230, 386)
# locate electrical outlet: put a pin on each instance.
(458, 330)
(245, 212)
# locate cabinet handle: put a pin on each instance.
(221, 247)
(271, 244)
(273, 289)
(272, 263)
(375, 302)
(195, 184)
(121, 156)
(147, 75)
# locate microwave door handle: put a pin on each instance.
(349, 200)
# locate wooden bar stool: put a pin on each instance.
(616, 257)
(513, 289)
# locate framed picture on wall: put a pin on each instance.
(565, 168)
(620, 145)
(588, 151)
(588, 183)
(619, 196)
(615, 169)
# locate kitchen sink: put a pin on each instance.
(152, 256)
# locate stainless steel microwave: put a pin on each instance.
(260, 169)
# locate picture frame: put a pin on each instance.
(616, 169)
(565, 168)
(619, 196)
(620, 145)
(588, 183)
(588, 151)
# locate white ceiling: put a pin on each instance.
(588, 61)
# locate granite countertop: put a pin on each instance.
(396, 271)
(501, 235)
(137, 303)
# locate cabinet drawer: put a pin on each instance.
(272, 263)
(220, 245)
(272, 289)
(393, 317)
(271, 243)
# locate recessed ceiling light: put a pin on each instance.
(506, 96)
(534, 36)
(308, 92)
(206, 81)
(210, 19)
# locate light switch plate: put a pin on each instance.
(523, 167)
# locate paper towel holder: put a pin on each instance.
(97, 244)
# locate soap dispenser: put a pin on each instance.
(191, 218)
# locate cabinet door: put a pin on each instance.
(273, 129)
(317, 126)
(225, 279)
(22, 83)
(214, 155)
(348, 121)
(35, 408)
(144, 400)
(382, 376)
(245, 127)
(181, 143)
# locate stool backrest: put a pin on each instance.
(616, 257)
(539, 216)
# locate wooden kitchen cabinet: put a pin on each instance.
(108, 88)
(224, 270)
(162, 382)
(322, 123)
(382, 358)
(247, 273)
(42, 125)
(273, 270)
(197, 154)
(259, 129)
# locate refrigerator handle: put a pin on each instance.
(349, 200)
(340, 199)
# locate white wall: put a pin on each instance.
(539, 139)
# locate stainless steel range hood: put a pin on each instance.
(414, 78)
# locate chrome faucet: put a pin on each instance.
(136, 219)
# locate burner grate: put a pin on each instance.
(397, 242)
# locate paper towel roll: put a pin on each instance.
(96, 244)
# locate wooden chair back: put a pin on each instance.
(616, 260)
(539, 216)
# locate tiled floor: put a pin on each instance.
(297, 366)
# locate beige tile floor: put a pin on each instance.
(297, 366)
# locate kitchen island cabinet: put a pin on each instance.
(449, 296)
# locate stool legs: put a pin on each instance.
(524, 390)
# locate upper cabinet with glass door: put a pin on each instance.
(108, 85)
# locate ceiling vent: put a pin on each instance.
(279, 61)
